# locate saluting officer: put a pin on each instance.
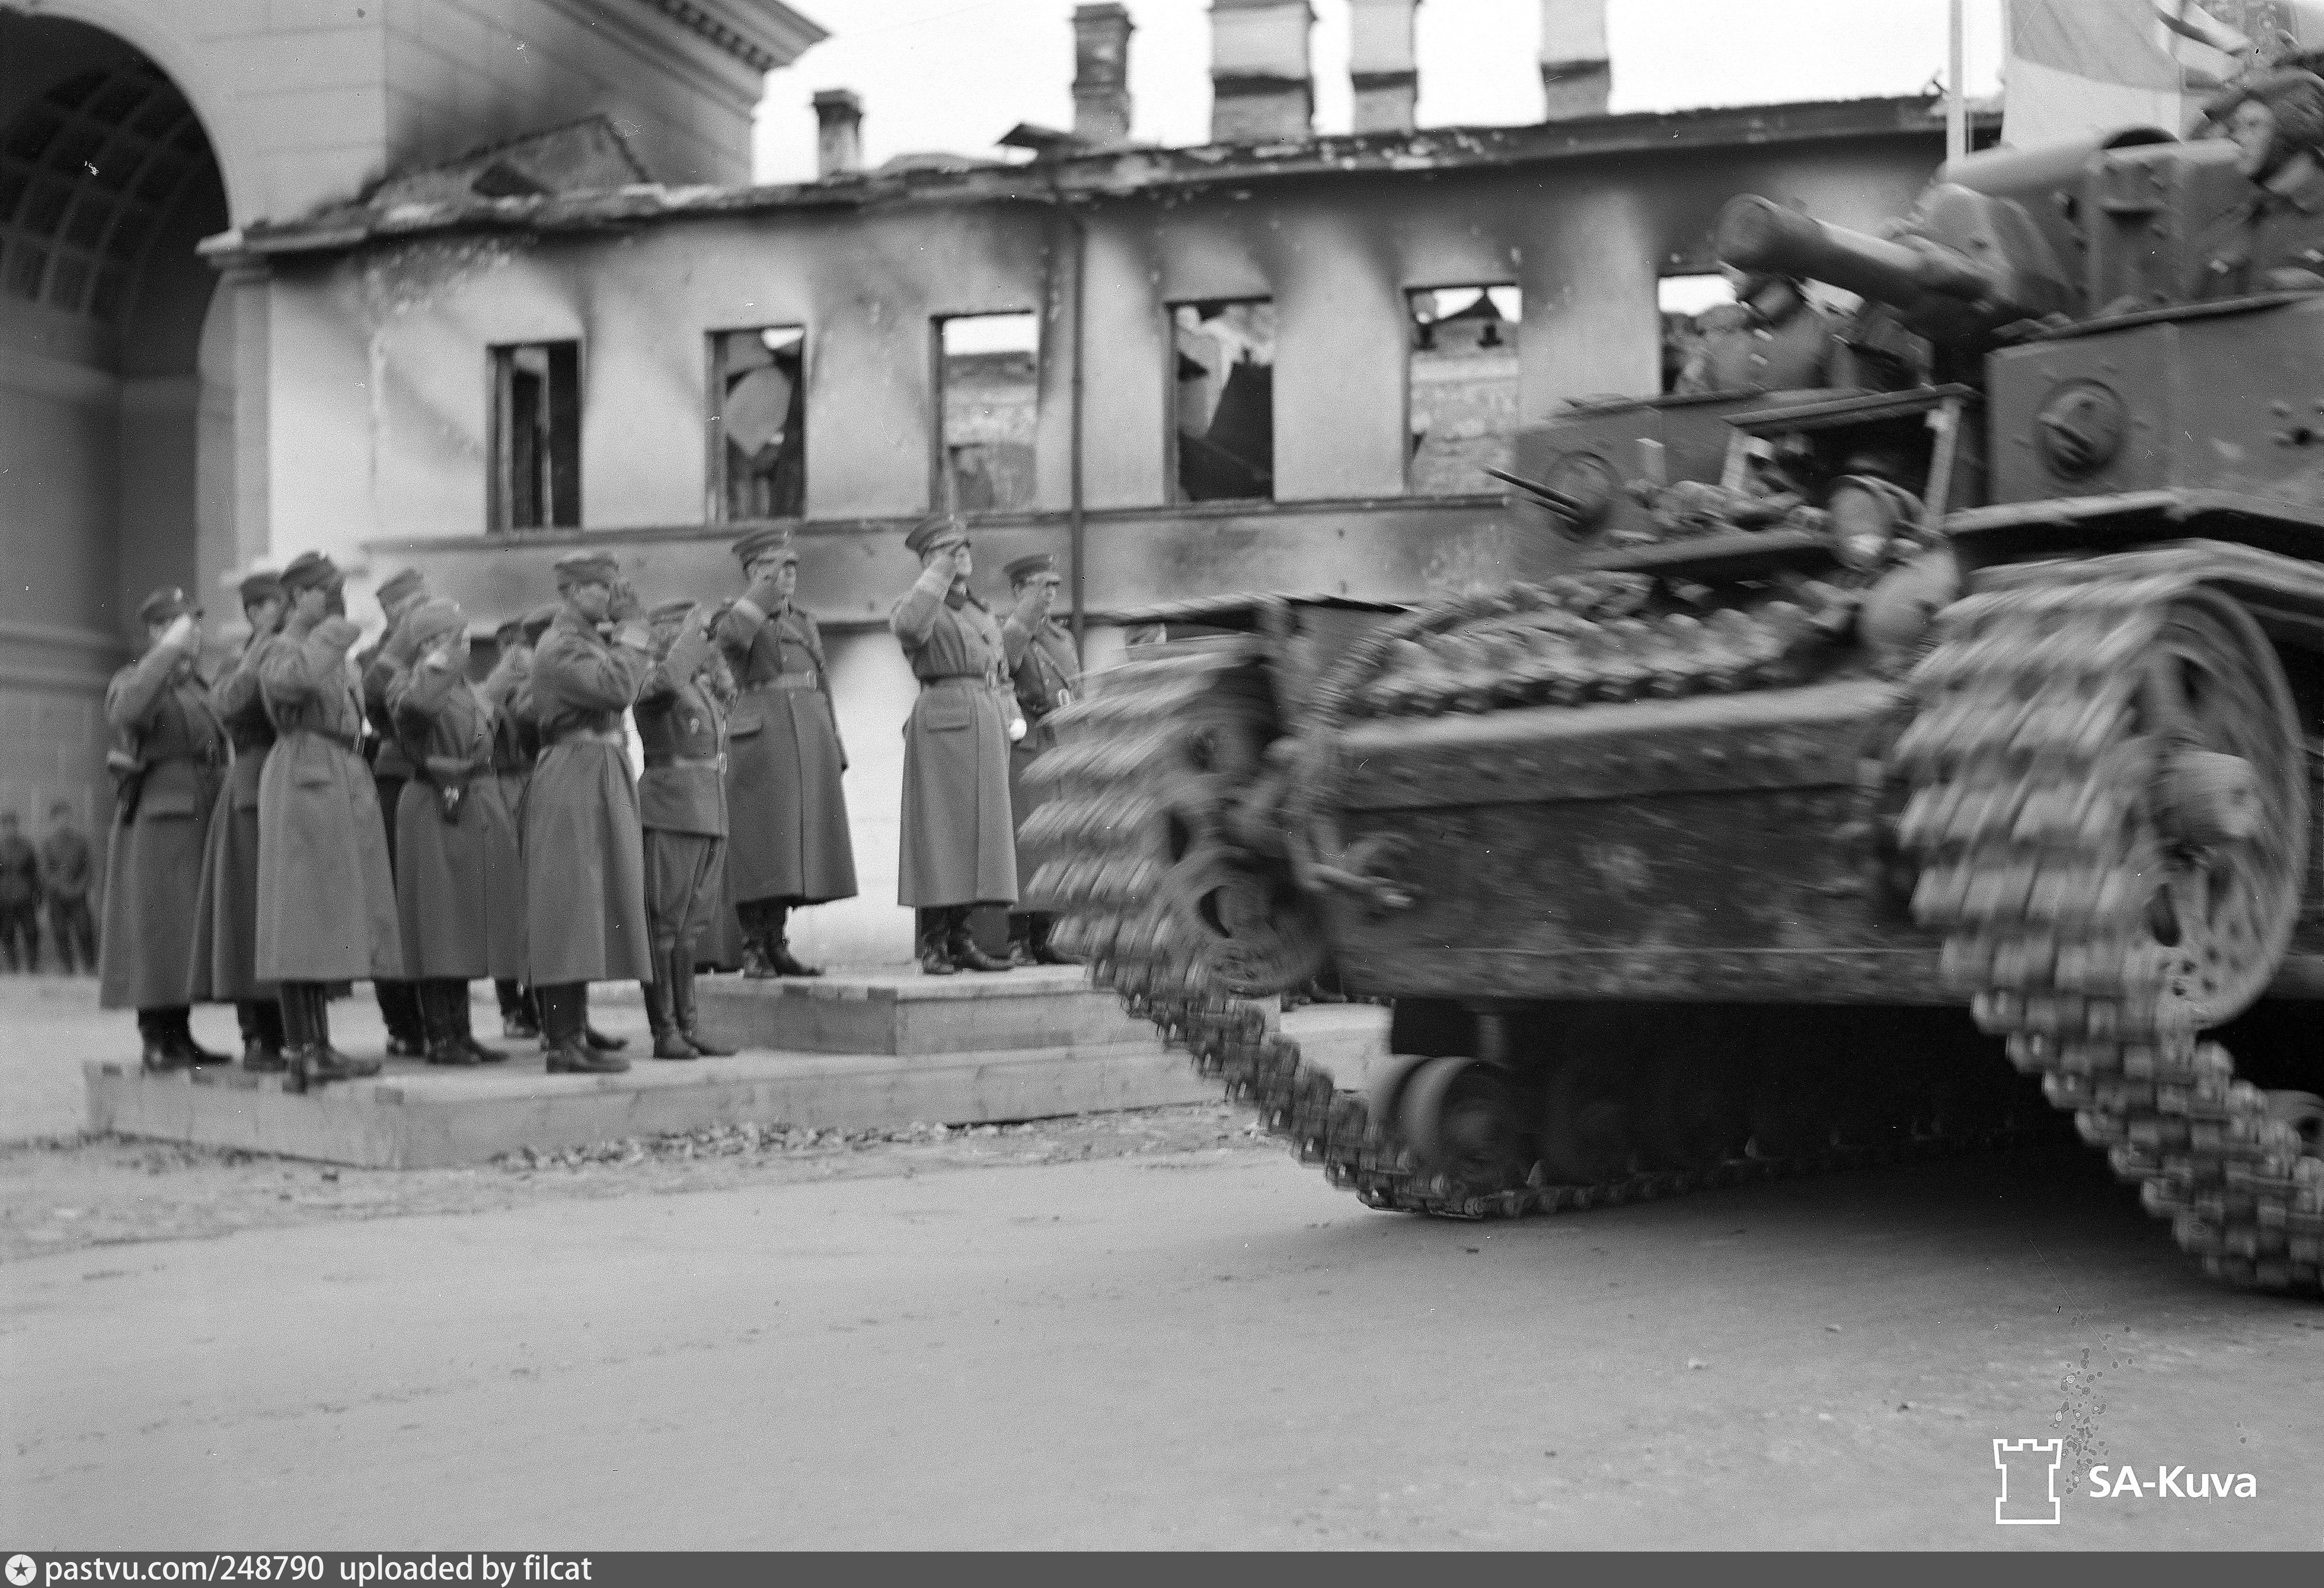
(326, 899)
(1045, 671)
(516, 748)
(958, 845)
(459, 888)
(391, 769)
(226, 914)
(584, 871)
(167, 759)
(789, 846)
(682, 807)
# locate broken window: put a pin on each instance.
(757, 423)
(1224, 419)
(1684, 300)
(990, 379)
(1463, 386)
(536, 483)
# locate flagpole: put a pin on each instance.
(1956, 106)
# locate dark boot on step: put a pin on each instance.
(464, 1026)
(444, 1044)
(682, 1009)
(565, 1027)
(261, 1020)
(153, 1038)
(518, 1019)
(398, 1007)
(668, 1041)
(1020, 940)
(181, 1037)
(962, 942)
(935, 939)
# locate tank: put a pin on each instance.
(1892, 771)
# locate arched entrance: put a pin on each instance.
(116, 443)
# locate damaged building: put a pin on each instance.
(1278, 361)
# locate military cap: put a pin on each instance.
(410, 582)
(586, 567)
(767, 542)
(165, 604)
(261, 587)
(1040, 565)
(669, 612)
(309, 570)
(430, 621)
(537, 620)
(943, 530)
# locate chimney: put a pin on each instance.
(1380, 64)
(1260, 90)
(1101, 74)
(1576, 76)
(838, 134)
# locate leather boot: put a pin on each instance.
(399, 1006)
(668, 1041)
(681, 1005)
(444, 1044)
(262, 1036)
(1020, 940)
(936, 942)
(757, 965)
(517, 1017)
(1046, 952)
(298, 1036)
(153, 1038)
(565, 1027)
(775, 945)
(181, 1038)
(962, 942)
(464, 1026)
(317, 1061)
(596, 1040)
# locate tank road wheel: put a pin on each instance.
(2111, 813)
(1589, 1129)
(1460, 1119)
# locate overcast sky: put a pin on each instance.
(957, 74)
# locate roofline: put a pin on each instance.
(764, 35)
(1120, 173)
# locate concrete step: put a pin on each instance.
(904, 1013)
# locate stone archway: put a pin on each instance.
(115, 467)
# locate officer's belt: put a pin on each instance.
(930, 682)
(346, 742)
(588, 737)
(716, 764)
(783, 681)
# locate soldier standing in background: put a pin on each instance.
(226, 913)
(391, 769)
(1771, 338)
(682, 807)
(459, 890)
(20, 896)
(516, 747)
(326, 898)
(789, 845)
(958, 848)
(168, 757)
(1045, 671)
(584, 853)
(64, 883)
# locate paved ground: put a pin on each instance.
(1127, 1330)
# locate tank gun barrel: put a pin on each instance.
(1756, 233)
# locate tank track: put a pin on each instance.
(2029, 766)
(1128, 768)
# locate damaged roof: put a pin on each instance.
(397, 212)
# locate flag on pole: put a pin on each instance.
(2077, 67)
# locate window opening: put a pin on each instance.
(1224, 414)
(536, 436)
(758, 422)
(1691, 305)
(989, 375)
(1462, 379)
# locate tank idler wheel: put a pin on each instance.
(1589, 1125)
(1697, 1118)
(1460, 1118)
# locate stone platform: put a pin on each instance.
(868, 1051)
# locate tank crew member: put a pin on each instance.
(584, 868)
(20, 896)
(682, 806)
(326, 900)
(1045, 671)
(516, 748)
(391, 769)
(64, 877)
(958, 845)
(788, 844)
(226, 914)
(2274, 241)
(460, 891)
(1771, 338)
(167, 760)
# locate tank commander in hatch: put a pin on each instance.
(2274, 240)
(1771, 338)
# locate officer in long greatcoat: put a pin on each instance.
(326, 899)
(788, 844)
(958, 844)
(584, 853)
(1045, 671)
(167, 759)
(516, 748)
(459, 883)
(391, 769)
(682, 806)
(225, 915)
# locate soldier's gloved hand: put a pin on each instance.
(181, 635)
(397, 647)
(1016, 729)
(689, 651)
(625, 604)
